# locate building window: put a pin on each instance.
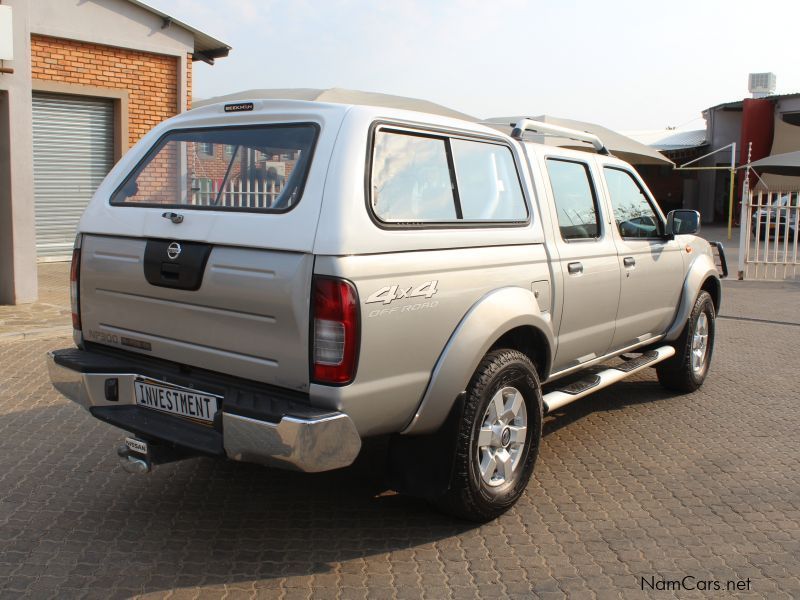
(792, 118)
(205, 149)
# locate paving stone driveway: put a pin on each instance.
(631, 483)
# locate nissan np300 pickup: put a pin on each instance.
(275, 281)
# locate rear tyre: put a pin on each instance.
(687, 370)
(498, 438)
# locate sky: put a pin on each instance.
(627, 65)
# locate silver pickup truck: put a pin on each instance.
(276, 281)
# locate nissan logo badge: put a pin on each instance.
(174, 250)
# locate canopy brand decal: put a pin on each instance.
(239, 107)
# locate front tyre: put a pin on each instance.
(687, 370)
(498, 438)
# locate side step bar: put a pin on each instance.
(597, 381)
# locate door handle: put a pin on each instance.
(575, 268)
(629, 261)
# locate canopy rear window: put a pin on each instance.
(258, 168)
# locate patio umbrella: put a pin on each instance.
(779, 164)
(339, 96)
(619, 145)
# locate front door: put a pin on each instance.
(651, 265)
(588, 264)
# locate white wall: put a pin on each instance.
(17, 241)
(787, 139)
(110, 22)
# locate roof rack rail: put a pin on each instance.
(520, 127)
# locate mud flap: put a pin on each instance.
(422, 465)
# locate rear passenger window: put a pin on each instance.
(420, 178)
(575, 200)
(632, 210)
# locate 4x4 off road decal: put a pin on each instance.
(390, 293)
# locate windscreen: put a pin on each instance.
(259, 168)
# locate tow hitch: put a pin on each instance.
(133, 462)
(138, 456)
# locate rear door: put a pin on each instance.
(193, 287)
(651, 265)
(587, 258)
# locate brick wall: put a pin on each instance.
(150, 79)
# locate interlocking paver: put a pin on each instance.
(49, 316)
(633, 482)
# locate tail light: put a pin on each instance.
(335, 339)
(74, 281)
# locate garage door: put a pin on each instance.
(73, 149)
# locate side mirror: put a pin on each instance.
(682, 221)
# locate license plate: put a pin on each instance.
(175, 400)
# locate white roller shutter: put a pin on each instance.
(73, 149)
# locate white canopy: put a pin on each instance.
(618, 144)
(339, 96)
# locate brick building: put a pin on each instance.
(81, 82)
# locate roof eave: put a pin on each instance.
(208, 56)
(205, 46)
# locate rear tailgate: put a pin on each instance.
(249, 317)
(197, 248)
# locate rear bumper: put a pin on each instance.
(265, 430)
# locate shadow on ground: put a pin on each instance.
(207, 522)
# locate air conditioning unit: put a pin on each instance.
(761, 84)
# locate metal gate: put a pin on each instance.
(73, 149)
(768, 242)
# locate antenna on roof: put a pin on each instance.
(520, 127)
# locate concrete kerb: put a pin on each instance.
(37, 334)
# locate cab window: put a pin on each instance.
(575, 199)
(633, 212)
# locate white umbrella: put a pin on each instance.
(779, 164)
(617, 144)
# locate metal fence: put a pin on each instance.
(248, 193)
(768, 242)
